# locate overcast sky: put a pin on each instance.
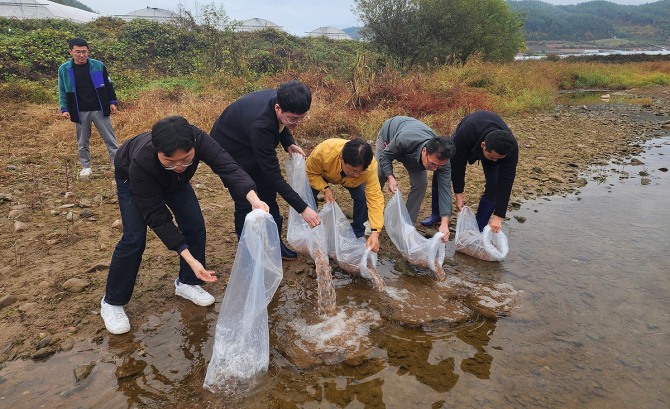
(295, 16)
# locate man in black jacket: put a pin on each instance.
(152, 172)
(483, 136)
(250, 129)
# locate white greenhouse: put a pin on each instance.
(25, 9)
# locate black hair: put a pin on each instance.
(294, 97)
(442, 146)
(357, 152)
(501, 141)
(172, 133)
(76, 42)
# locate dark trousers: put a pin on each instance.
(360, 208)
(266, 193)
(128, 252)
(487, 202)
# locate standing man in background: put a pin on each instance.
(86, 94)
(250, 129)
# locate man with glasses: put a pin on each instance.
(152, 174)
(250, 129)
(86, 95)
(350, 164)
(419, 149)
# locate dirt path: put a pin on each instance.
(59, 231)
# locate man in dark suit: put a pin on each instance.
(250, 129)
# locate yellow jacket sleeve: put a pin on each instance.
(374, 197)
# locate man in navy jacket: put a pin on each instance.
(153, 172)
(250, 129)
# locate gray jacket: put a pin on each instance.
(404, 138)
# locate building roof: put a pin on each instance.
(254, 24)
(153, 14)
(330, 32)
(24, 9)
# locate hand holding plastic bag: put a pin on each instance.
(484, 245)
(242, 342)
(414, 247)
(349, 251)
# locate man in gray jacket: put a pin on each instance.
(418, 148)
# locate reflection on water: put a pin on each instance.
(578, 315)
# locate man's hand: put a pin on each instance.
(328, 196)
(311, 217)
(460, 201)
(257, 203)
(495, 223)
(65, 115)
(444, 229)
(112, 108)
(392, 183)
(295, 149)
(373, 241)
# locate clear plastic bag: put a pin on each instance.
(484, 245)
(414, 247)
(242, 343)
(307, 240)
(300, 236)
(350, 252)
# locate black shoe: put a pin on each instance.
(430, 220)
(287, 253)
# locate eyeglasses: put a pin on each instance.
(353, 171)
(294, 120)
(432, 164)
(183, 165)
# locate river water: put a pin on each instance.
(578, 315)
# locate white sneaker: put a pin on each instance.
(114, 317)
(86, 172)
(193, 293)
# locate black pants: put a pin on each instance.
(487, 202)
(266, 192)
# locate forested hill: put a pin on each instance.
(594, 20)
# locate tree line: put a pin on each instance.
(594, 20)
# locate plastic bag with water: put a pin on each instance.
(414, 247)
(350, 252)
(308, 240)
(484, 245)
(299, 235)
(242, 343)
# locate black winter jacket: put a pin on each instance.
(469, 135)
(137, 162)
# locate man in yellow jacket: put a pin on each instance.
(352, 165)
